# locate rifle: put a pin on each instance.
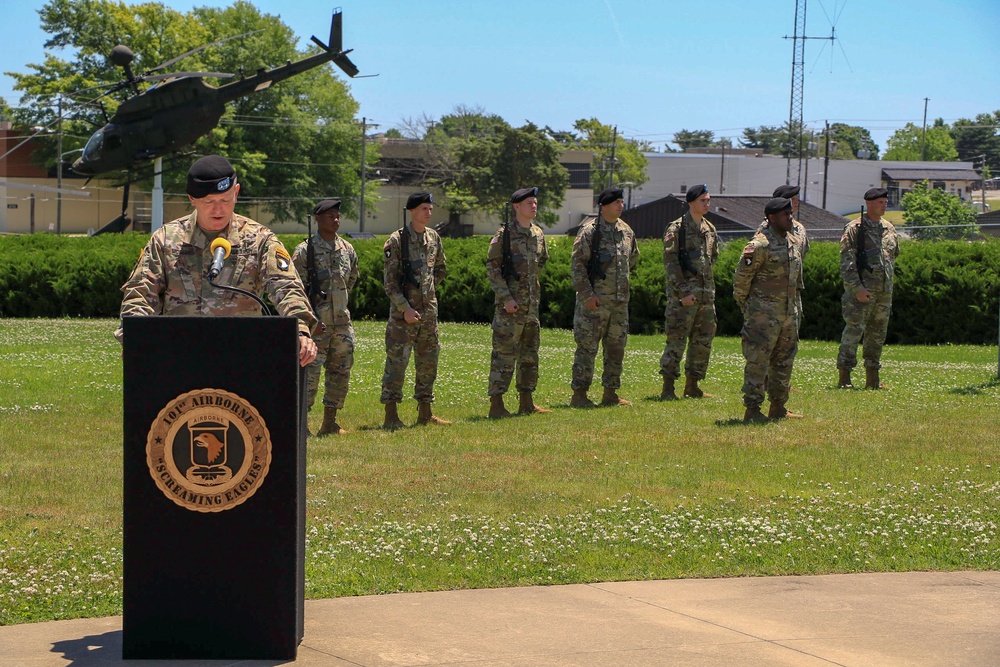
(508, 271)
(314, 289)
(594, 264)
(404, 242)
(682, 253)
(860, 250)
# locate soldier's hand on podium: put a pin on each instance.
(307, 350)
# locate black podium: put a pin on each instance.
(214, 488)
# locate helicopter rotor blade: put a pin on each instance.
(183, 75)
(200, 48)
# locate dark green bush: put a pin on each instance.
(946, 292)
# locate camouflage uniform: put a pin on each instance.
(692, 325)
(800, 233)
(427, 263)
(516, 336)
(170, 277)
(336, 272)
(608, 325)
(766, 288)
(866, 320)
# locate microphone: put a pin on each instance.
(220, 250)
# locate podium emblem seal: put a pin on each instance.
(208, 450)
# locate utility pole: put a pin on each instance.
(923, 134)
(364, 173)
(722, 175)
(59, 160)
(826, 163)
(611, 166)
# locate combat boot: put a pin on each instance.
(845, 379)
(872, 380)
(611, 398)
(497, 409)
(668, 393)
(330, 425)
(392, 421)
(425, 417)
(754, 416)
(778, 411)
(580, 399)
(691, 389)
(528, 406)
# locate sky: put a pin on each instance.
(650, 67)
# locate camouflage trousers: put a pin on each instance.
(867, 321)
(514, 344)
(335, 354)
(693, 326)
(402, 338)
(769, 345)
(607, 326)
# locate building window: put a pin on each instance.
(579, 175)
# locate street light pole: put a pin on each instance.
(59, 160)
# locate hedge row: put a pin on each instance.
(946, 292)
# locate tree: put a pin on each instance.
(850, 140)
(478, 160)
(936, 212)
(291, 144)
(686, 139)
(629, 163)
(774, 140)
(974, 138)
(905, 144)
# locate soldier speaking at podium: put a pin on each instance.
(172, 276)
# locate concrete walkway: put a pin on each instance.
(881, 620)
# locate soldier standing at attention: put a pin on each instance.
(514, 261)
(414, 266)
(329, 266)
(766, 288)
(171, 276)
(791, 192)
(868, 251)
(690, 248)
(604, 254)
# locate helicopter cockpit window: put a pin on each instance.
(92, 151)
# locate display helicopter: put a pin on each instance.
(180, 108)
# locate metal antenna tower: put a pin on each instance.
(796, 125)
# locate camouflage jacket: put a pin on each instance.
(881, 247)
(800, 232)
(528, 254)
(171, 278)
(427, 268)
(702, 243)
(768, 274)
(616, 258)
(336, 272)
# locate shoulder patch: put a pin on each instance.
(281, 258)
(748, 252)
(494, 240)
(669, 237)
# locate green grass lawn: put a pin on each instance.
(904, 479)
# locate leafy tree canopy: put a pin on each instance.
(686, 139)
(905, 144)
(629, 165)
(937, 212)
(978, 137)
(292, 143)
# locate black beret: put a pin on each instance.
(327, 205)
(418, 198)
(610, 195)
(777, 204)
(786, 191)
(876, 193)
(523, 194)
(695, 192)
(211, 174)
